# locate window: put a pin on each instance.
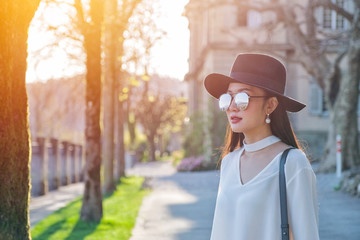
(340, 19)
(327, 18)
(253, 19)
(332, 20)
(317, 104)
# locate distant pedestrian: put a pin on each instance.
(248, 202)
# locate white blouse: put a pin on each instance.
(251, 211)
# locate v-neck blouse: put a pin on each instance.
(252, 210)
(264, 171)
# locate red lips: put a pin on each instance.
(235, 119)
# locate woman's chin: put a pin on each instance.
(236, 129)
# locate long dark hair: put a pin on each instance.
(280, 127)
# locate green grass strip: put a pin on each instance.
(120, 210)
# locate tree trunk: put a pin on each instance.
(350, 86)
(109, 94)
(120, 170)
(152, 148)
(161, 144)
(114, 50)
(341, 90)
(131, 127)
(343, 112)
(14, 133)
(130, 119)
(91, 209)
(328, 162)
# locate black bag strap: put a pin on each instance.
(283, 202)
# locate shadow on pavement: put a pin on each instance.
(339, 213)
(79, 231)
(186, 204)
(199, 213)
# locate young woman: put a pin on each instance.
(248, 202)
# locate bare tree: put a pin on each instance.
(116, 23)
(14, 134)
(158, 114)
(313, 49)
(89, 23)
(37, 104)
(141, 36)
(350, 91)
(62, 36)
(57, 108)
(320, 53)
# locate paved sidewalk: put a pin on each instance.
(181, 206)
(339, 213)
(41, 207)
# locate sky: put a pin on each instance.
(169, 56)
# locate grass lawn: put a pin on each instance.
(120, 210)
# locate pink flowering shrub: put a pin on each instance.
(192, 164)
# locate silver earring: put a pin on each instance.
(267, 120)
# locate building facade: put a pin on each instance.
(220, 30)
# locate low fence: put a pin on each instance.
(55, 163)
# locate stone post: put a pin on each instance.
(81, 162)
(39, 168)
(77, 163)
(72, 151)
(64, 164)
(54, 164)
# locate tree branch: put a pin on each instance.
(81, 23)
(333, 6)
(334, 79)
(126, 13)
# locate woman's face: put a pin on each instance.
(251, 119)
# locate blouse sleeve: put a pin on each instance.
(302, 203)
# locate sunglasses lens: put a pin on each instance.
(241, 100)
(224, 102)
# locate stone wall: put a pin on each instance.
(55, 163)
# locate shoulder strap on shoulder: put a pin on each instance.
(283, 202)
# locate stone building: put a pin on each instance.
(220, 30)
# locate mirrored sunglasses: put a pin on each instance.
(241, 100)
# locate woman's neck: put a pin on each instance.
(257, 134)
(261, 144)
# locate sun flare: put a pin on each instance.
(50, 58)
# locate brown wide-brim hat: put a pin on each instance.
(257, 70)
